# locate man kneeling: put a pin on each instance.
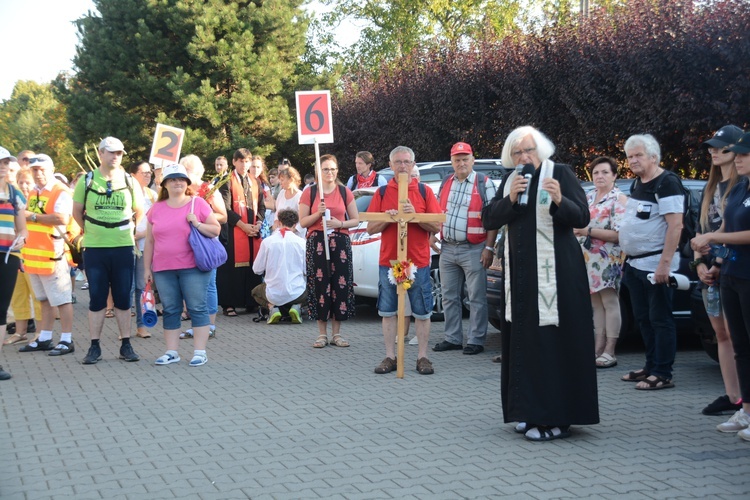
(282, 258)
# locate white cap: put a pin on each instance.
(4, 153)
(112, 144)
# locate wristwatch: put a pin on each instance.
(490, 249)
(33, 217)
(693, 265)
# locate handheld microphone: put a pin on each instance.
(528, 172)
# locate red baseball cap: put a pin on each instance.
(461, 148)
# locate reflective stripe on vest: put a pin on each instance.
(39, 252)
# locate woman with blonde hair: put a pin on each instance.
(290, 194)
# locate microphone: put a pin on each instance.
(528, 172)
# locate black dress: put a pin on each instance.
(548, 372)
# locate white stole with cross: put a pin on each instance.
(545, 253)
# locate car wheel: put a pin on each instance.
(437, 295)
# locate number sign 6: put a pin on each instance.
(314, 117)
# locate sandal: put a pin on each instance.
(655, 384)
(338, 341)
(636, 376)
(606, 361)
(544, 433)
(109, 313)
(321, 341)
(229, 311)
(15, 338)
(185, 316)
(187, 334)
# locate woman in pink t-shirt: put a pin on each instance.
(168, 257)
(330, 284)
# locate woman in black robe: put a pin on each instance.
(548, 373)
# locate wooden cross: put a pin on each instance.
(402, 219)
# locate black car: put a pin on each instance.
(687, 308)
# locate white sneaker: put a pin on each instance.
(737, 422)
(414, 341)
(744, 434)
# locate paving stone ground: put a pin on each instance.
(271, 417)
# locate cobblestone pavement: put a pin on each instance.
(271, 417)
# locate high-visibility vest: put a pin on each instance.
(39, 252)
(475, 232)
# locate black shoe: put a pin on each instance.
(446, 346)
(40, 346)
(10, 328)
(473, 349)
(3, 374)
(31, 326)
(128, 354)
(62, 348)
(94, 355)
(721, 405)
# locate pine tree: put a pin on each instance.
(223, 70)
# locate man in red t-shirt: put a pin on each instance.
(418, 251)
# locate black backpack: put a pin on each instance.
(689, 218)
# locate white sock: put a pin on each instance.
(199, 353)
(211, 328)
(45, 335)
(66, 337)
(172, 354)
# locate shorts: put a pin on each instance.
(110, 269)
(56, 287)
(420, 294)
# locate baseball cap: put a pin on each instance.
(112, 144)
(742, 145)
(461, 148)
(41, 160)
(725, 136)
(4, 153)
(60, 177)
(175, 171)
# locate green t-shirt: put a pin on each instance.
(118, 206)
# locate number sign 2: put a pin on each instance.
(167, 144)
(314, 116)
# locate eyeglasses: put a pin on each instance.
(109, 189)
(402, 162)
(146, 172)
(329, 170)
(521, 152)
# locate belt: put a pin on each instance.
(454, 242)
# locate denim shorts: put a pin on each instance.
(183, 284)
(420, 294)
(110, 268)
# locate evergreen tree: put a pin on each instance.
(223, 70)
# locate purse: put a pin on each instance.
(209, 252)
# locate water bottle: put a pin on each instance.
(148, 307)
(713, 307)
(724, 253)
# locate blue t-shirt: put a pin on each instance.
(737, 218)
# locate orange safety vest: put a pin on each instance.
(39, 252)
(475, 232)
